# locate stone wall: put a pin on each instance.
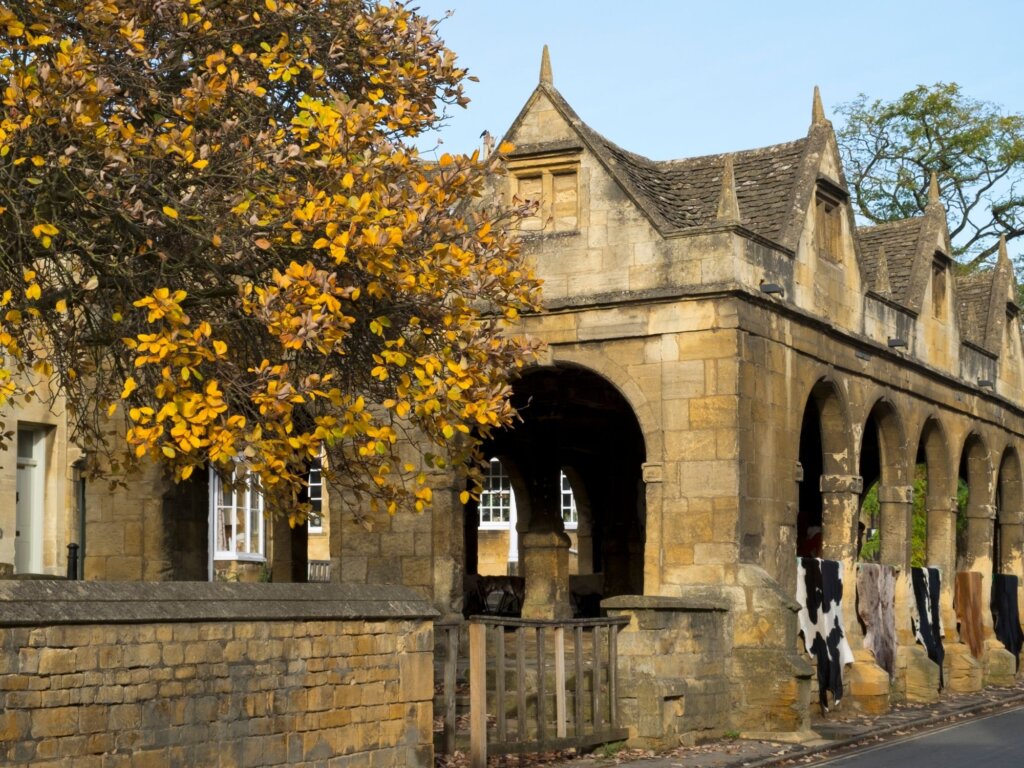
(214, 674)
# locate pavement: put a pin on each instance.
(835, 733)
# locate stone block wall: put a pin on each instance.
(214, 674)
(674, 686)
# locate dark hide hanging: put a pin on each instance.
(967, 605)
(820, 594)
(1006, 613)
(924, 614)
(876, 609)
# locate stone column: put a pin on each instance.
(545, 559)
(653, 476)
(544, 554)
(980, 526)
(941, 550)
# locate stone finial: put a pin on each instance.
(817, 110)
(728, 205)
(882, 285)
(933, 191)
(1004, 257)
(545, 68)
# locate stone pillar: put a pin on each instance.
(980, 527)
(1011, 538)
(941, 551)
(545, 561)
(840, 506)
(653, 477)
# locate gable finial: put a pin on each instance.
(933, 190)
(817, 110)
(545, 68)
(728, 205)
(1004, 257)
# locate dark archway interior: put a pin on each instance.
(572, 418)
(868, 544)
(808, 519)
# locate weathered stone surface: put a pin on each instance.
(963, 673)
(867, 684)
(204, 691)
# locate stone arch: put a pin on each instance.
(884, 474)
(574, 418)
(825, 524)
(1009, 524)
(600, 364)
(975, 518)
(934, 486)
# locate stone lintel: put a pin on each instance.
(895, 494)
(653, 472)
(34, 603)
(685, 604)
(841, 484)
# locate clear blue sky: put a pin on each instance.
(673, 78)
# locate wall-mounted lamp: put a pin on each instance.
(896, 341)
(987, 383)
(860, 353)
(773, 289)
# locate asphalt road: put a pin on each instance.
(994, 741)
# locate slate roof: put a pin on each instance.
(684, 193)
(899, 241)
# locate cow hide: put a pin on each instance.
(819, 591)
(925, 620)
(876, 609)
(1006, 614)
(967, 605)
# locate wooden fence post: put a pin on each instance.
(477, 695)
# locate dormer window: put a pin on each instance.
(551, 185)
(827, 225)
(938, 290)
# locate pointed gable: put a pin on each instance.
(899, 242)
(974, 293)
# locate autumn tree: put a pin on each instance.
(219, 245)
(976, 150)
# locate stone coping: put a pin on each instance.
(685, 604)
(41, 603)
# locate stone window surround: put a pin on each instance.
(546, 168)
(828, 224)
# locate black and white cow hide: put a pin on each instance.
(819, 591)
(1005, 613)
(925, 617)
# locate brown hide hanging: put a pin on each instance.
(967, 603)
(876, 609)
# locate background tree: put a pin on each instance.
(890, 149)
(211, 215)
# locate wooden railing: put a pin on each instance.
(510, 686)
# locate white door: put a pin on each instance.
(28, 541)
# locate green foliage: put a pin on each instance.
(890, 149)
(869, 510)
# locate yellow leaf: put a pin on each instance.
(200, 164)
(38, 161)
(61, 306)
(168, 452)
(216, 241)
(464, 497)
(33, 292)
(271, 5)
(168, 211)
(219, 347)
(129, 387)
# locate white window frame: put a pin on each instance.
(570, 516)
(315, 495)
(496, 472)
(247, 499)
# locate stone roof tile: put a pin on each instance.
(898, 239)
(685, 192)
